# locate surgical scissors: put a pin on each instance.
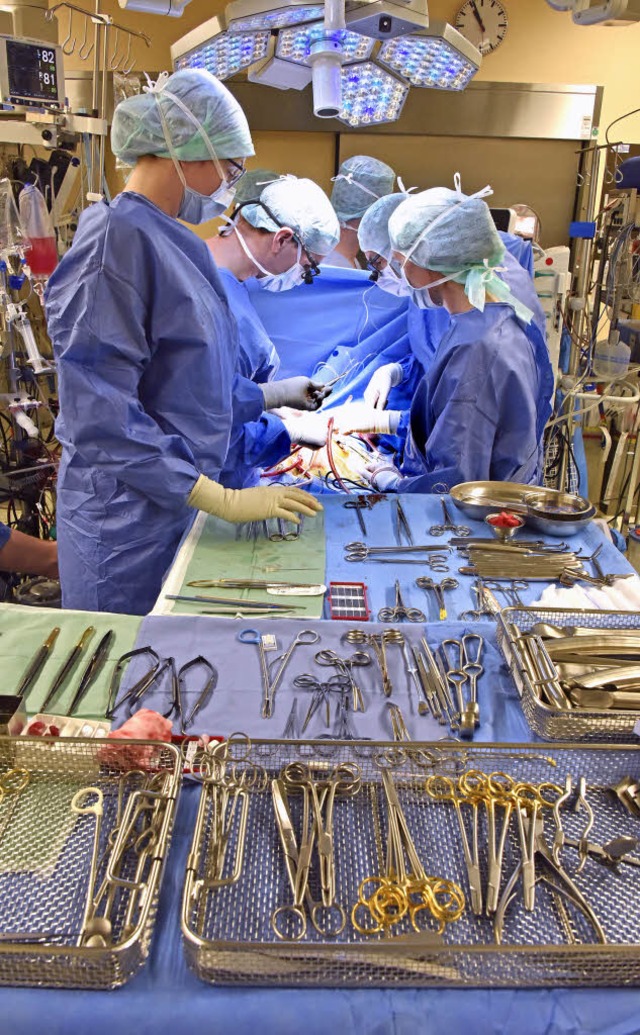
(448, 526)
(207, 689)
(304, 637)
(438, 588)
(399, 611)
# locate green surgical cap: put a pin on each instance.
(137, 127)
(302, 205)
(464, 236)
(361, 180)
(373, 232)
(252, 184)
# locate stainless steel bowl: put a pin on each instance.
(546, 510)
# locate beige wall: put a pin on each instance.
(542, 46)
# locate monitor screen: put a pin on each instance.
(32, 71)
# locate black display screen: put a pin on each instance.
(32, 70)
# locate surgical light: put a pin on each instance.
(272, 19)
(370, 95)
(439, 58)
(227, 54)
(361, 57)
(294, 44)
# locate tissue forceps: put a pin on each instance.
(448, 526)
(404, 528)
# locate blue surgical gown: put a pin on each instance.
(257, 357)
(480, 411)
(340, 324)
(426, 327)
(257, 439)
(146, 351)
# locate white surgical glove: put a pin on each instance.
(306, 429)
(384, 477)
(360, 417)
(382, 381)
(259, 504)
(301, 393)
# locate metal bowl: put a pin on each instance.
(546, 510)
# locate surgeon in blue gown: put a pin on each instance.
(146, 350)
(480, 410)
(278, 237)
(427, 322)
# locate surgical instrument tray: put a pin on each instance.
(557, 720)
(554, 912)
(85, 827)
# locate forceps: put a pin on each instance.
(317, 824)
(508, 590)
(438, 588)
(399, 611)
(359, 504)
(442, 788)
(402, 523)
(448, 526)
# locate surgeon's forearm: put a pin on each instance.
(29, 556)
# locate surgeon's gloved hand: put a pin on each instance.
(360, 417)
(259, 504)
(301, 393)
(384, 477)
(382, 381)
(306, 429)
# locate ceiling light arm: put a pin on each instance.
(326, 59)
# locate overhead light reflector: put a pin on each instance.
(227, 54)
(294, 44)
(276, 18)
(370, 95)
(439, 58)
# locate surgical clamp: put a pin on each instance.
(395, 554)
(509, 591)
(399, 611)
(448, 526)
(438, 588)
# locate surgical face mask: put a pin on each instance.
(200, 208)
(195, 207)
(390, 282)
(421, 297)
(291, 278)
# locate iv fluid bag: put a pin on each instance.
(11, 234)
(38, 228)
